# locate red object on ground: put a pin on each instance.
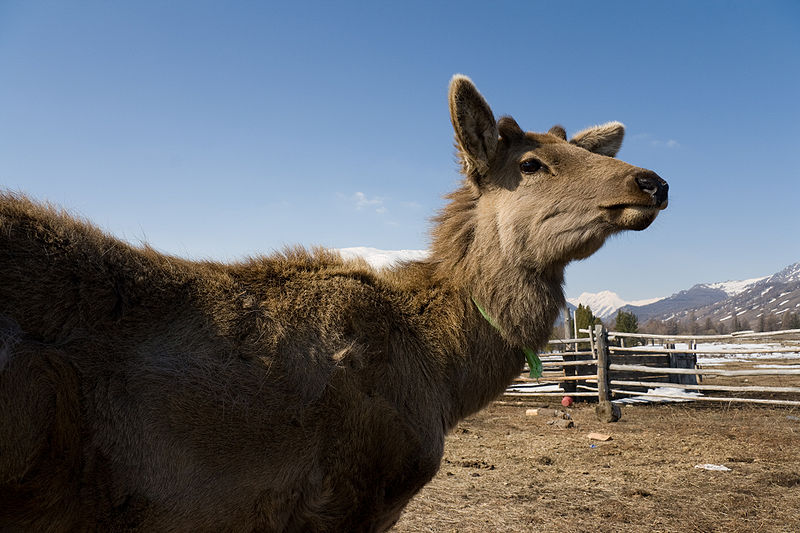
(566, 401)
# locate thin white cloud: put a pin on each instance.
(653, 141)
(378, 204)
(362, 201)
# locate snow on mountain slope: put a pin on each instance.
(790, 274)
(732, 288)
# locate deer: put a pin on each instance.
(296, 391)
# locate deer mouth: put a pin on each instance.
(639, 205)
(631, 216)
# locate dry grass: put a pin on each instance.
(505, 471)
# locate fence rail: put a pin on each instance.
(737, 335)
(709, 351)
(610, 372)
(709, 372)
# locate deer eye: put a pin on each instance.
(529, 166)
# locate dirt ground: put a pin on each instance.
(505, 471)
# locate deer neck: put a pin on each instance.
(523, 301)
(521, 297)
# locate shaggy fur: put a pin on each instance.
(296, 392)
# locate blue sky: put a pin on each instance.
(222, 129)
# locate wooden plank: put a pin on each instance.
(568, 341)
(660, 360)
(617, 349)
(683, 360)
(644, 378)
(637, 375)
(554, 379)
(533, 393)
(726, 388)
(578, 356)
(709, 372)
(652, 354)
(704, 337)
(588, 362)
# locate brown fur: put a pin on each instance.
(297, 392)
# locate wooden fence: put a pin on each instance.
(614, 365)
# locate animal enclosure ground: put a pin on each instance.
(505, 471)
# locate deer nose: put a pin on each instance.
(651, 183)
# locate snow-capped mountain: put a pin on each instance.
(605, 303)
(747, 300)
(790, 274)
(770, 296)
(700, 295)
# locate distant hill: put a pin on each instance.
(697, 296)
(746, 300)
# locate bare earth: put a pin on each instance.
(505, 471)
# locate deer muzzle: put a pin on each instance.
(651, 183)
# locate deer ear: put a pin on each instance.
(603, 140)
(474, 125)
(559, 131)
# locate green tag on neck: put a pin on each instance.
(534, 363)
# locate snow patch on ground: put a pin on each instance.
(661, 394)
(533, 387)
(760, 351)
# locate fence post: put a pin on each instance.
(606, 411)
(567, 325)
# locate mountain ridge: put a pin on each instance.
(740, 302)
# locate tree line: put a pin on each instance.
(692, 326)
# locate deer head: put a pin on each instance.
(548, 200)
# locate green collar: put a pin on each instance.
(534, 363)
